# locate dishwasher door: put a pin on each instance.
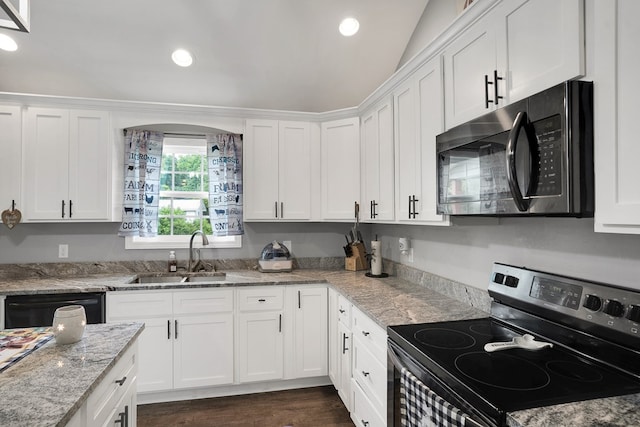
(24, 311)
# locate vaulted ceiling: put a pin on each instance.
(275, 54)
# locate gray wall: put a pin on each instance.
(466, 250)
(27, 243)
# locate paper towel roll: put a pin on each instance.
(376, 258)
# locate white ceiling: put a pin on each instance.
(274, 54)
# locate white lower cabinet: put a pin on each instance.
(307, 341)
(113, 402)
(188, 337)
(260, 350)
(358, 362)
(340, 345)
(363, 412)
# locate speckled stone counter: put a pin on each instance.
(48, 386)
(407, 296)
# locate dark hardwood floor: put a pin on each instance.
(310, 407)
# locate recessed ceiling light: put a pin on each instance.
(349, 26)
(7, 43)
(182, 57)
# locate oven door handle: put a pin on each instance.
(519, 123)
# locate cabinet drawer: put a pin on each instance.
(126, 305)
(370, 333)
(370, 374)
(363, 412)
(344, 311)
(261, 298)
(113, 387)
(203, 301)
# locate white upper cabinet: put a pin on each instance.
(616, 150)
(470, 63)
(277, 177)
(67, 165)
(418, 118)
(10, 160)
(340, 168)
(518, 48)
(376, 131)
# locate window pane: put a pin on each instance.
(188, 181)
(189, 162)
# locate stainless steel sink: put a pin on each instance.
(203, 277)
(158, 278)
(200, 277)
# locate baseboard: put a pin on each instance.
(230, 390)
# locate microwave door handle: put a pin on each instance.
(512, 178)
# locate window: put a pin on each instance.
(184, 198)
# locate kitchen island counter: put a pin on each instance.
(48, 386)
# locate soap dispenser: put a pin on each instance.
(172, 264)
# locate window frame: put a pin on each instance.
(182, 241)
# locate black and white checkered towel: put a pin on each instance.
(421, 407)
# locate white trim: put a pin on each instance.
(180, 242)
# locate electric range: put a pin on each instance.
(592, 328)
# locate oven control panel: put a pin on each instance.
(605, 305)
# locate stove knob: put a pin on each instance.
(592, 302)
(613, 308)
(633, 313)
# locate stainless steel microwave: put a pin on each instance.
(532, 157)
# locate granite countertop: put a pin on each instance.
(48, 386)
(410, 296)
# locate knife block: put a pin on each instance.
(358, 260)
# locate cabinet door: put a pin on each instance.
(429, 81)
(203, 350)
(467, 60)
(340, 166)
(345, 346)
(407, 148)
(89, 166)
(377, 163)
(155, 345)
(310, 332)
(334, 339)
(541, 43)
(294, 171)
(616, 149)
(155, 348)
(46, 164)
(261, 169)
(260, 346)
(10, 161)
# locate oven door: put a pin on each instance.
(397, 359)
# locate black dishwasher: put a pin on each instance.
(24, 311)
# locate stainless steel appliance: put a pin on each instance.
(532, 157)
(593, 329)
(23, 311)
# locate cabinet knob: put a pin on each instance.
(365, 373)
(121, 381)
(342, 311)
(365, 333)
(364, 423)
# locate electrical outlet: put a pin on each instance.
(287, 243)
(407, 255)
(63, 251)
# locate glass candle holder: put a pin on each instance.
(68, 324)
